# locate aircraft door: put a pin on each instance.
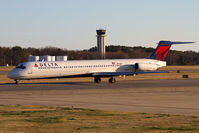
(30, 70)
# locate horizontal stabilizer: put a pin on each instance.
(165, 43)
(181, 42)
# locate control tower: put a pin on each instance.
(101, 42)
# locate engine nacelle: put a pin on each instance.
(145, 67)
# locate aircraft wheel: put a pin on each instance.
(16, 82)
(112, 80)
(97, 79)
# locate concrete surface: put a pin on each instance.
(155, 96)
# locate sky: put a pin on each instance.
(72, 24)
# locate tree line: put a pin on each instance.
(17, 54)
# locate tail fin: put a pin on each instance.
(162, 49)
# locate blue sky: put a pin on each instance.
(71, 24)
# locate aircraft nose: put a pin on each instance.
(13, 74)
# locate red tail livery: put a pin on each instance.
(162, 50)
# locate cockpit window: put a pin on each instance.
(21, 66)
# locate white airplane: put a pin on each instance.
(93, 68)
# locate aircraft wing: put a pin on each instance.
(101, 74)
(108, 74)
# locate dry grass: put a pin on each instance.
(42, 119)
(4, 68)
(195, 67)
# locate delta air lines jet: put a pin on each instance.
(93, 68)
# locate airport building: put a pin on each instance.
(47, 58)
(101, 42)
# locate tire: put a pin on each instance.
(112, 80)
(97, 80)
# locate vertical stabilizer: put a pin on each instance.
(162, 50)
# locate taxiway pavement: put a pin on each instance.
(155, 96)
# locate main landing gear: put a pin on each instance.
(98, 80)
(16, 82)
(112, 80)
